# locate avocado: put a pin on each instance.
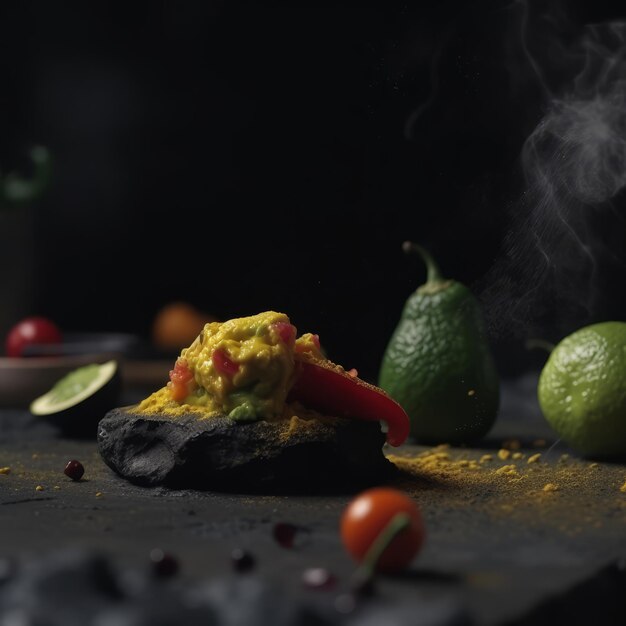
(438, 363)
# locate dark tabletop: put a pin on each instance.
(501, 548)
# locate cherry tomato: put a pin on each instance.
(368, 514)
(31, 331)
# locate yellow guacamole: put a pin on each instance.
(242, 368)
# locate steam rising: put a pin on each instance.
(578, 150)
(574, 166)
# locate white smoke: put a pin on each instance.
(574, 166)
(578, 150)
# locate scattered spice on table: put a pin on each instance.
(451, 477)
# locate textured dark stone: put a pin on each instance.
(219, 453)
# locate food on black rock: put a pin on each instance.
(249, 406)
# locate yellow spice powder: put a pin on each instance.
(454, 477)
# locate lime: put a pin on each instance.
(582, 390)
(78, 401)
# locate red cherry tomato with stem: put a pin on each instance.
(382, 525)
(31, 331)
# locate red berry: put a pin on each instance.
(74, 469)
(285, 534)
(289, 535)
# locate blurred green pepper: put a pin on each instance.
(18, 191)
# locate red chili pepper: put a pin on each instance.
(223, 363)
(333, 392)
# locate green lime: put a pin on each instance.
(582, 390)
(78, 401)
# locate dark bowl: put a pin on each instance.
(25, 378)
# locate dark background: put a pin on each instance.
(247, 156)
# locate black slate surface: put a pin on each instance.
(219, 454)
(481, 564)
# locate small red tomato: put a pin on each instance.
(31, 331)
(367, 516)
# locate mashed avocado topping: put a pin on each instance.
(242, 368)
(254, 368)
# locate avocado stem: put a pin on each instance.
(433, 272)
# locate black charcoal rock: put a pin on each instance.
(219, 453)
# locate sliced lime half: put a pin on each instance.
(74, 388)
